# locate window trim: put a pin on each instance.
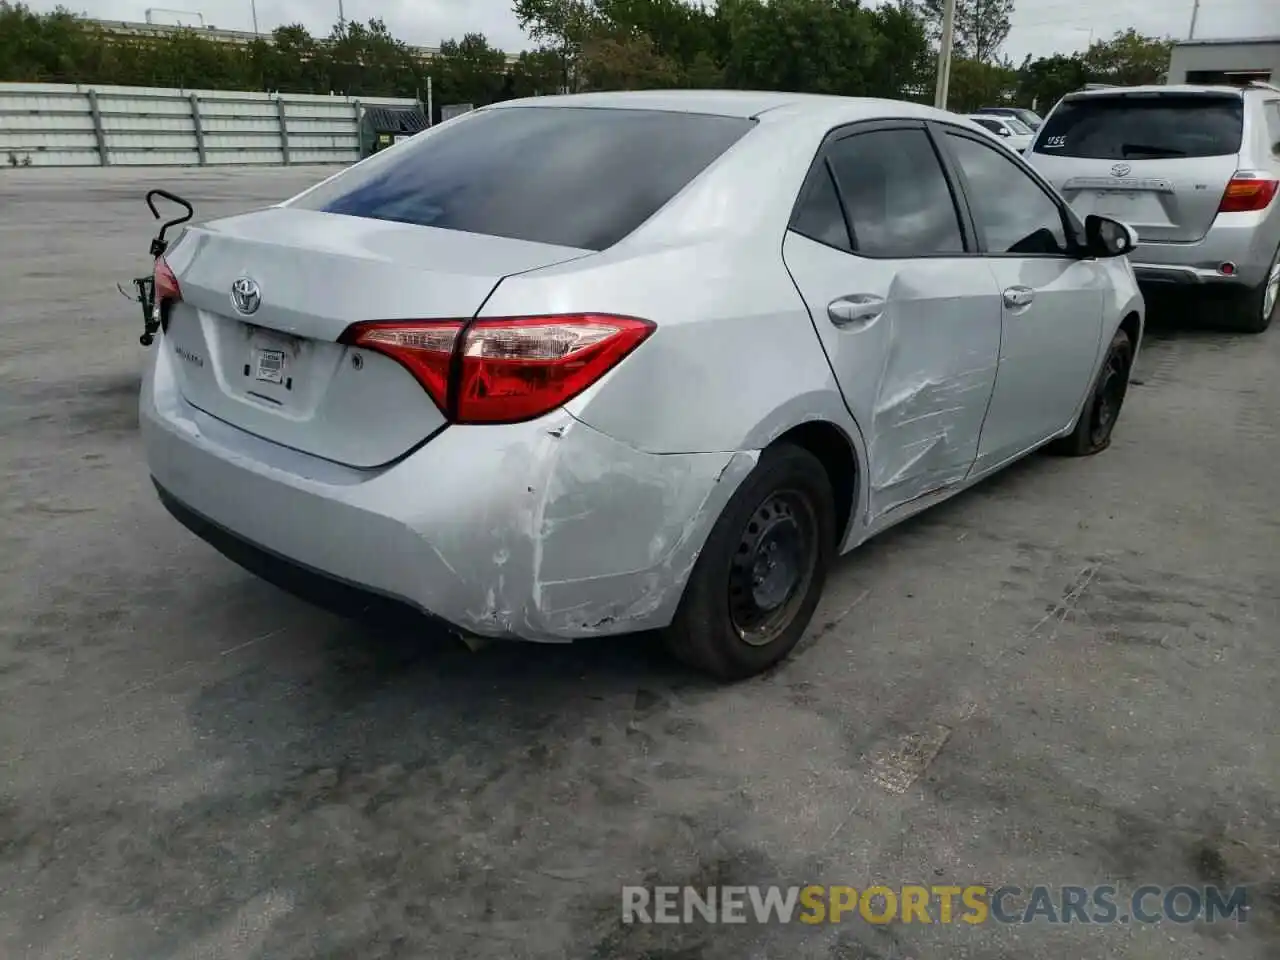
(811, 180)
(1072, 228)
(821, 161)
(1274, 107)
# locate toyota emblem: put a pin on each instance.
(245, 296)
(1121, 170)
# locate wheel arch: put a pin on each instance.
(820, 422)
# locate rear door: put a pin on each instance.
(1052, 299)
(910, 320)
(1159, 161)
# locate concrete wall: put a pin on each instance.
(1220, 55)
(53, 124)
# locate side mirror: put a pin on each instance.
(1109, 238)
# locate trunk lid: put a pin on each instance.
(1158, 161)
(277, 371)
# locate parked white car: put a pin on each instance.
(1016, 134)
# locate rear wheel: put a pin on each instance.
(761, 572)
(1101, 411)
(1253, 311)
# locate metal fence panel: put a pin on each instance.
(51, 124)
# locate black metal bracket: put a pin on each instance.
(145, 287)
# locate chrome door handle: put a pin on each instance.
(1018, 296)
(858, 308)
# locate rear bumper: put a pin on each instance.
(1250, 247)
(547, 530)
(315, 586)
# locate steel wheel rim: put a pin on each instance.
(772, 567)
(1111, 391)
(1272, 293)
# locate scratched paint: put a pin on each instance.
(604, 538)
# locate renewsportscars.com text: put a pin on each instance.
(973, 904)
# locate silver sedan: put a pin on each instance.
(580, 366)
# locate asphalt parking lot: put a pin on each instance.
(193, 764)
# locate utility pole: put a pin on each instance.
(944, 54)
(253, 5)
(1195, 14)
(342, 20)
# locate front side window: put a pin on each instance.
(896, 195)
(1012, 212)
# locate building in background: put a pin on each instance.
(1226, 61)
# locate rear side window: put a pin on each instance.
(1143, 127)
(818, 215)
(896, 195)
(572, 176)
(1273, 125)
(992, 125)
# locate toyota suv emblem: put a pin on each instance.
(245, 295)
(1121, 170)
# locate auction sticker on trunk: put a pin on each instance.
(269, 366)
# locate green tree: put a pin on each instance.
(367, 59)
(904, 64)
(564, 26)
(537, 72)
(1043, 82)
(468, 71)
(975, 84)
(818, 46)
(981, 26)
(1128, 59)
(625, 61)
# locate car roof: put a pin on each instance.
(1157, 88)
(747, 104)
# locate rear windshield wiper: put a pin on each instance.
(1129, 149)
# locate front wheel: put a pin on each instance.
(1101, 411)
(761, 572)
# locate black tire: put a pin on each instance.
(1246, 311)
(781, 520)
(1101, 411)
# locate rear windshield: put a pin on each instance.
(1143, 127)
(572, 176)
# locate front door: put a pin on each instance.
(1051, 298)
(909, 318)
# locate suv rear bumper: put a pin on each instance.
(1250, 245)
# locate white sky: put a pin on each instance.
(1040, 27)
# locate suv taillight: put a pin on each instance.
(506, 370)
(1247, 192)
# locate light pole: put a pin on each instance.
(253, 5)
(1195, 14)
(342, 19)
(944, 55)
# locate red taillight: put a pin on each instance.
(167, 288)
(1247, 192)
(510, 369)
(425, 349)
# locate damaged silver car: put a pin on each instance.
(587, 365)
